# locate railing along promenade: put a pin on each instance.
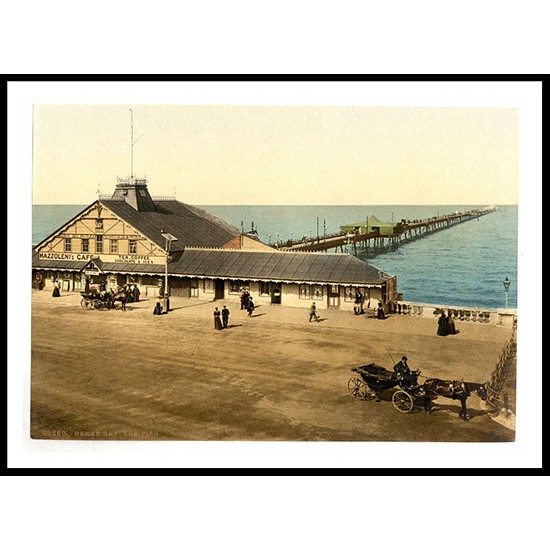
(376, 241)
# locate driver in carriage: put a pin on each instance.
(404, 372)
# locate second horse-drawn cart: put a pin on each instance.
(103, 300)
(374, 379)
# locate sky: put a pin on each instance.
(278, 154)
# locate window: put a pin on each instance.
(85, 245)
(99, 223)
(148, 280)
(114, 246)
(194, 287)
(132, 247)
(349, 294)
(68, 245)
(305, 292)
(208, 285)
(236, 287)
(317, 292)
(99, 244)
(264, 288)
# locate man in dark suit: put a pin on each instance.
(225, 316)
(402, 369)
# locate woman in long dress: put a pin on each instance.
(442, 325)
(56, 292)
(450, 323)
(217, 319)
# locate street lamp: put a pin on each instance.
(506, 284)
(168, 245)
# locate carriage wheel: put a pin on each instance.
(402, 401)
(356, 387)
(84, 303)
(353, 386)
(359, 389)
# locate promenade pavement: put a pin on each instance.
(272, 376)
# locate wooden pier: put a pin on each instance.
(371, 243)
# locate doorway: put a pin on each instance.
(275, 293)
(219, 289)
(333, 296)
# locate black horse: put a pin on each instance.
(453, 389)
(121, 296)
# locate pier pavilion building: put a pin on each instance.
(130, 237)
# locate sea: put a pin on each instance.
(463, 265)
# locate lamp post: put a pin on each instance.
(506, 284)
(168, 245)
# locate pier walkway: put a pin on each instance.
(366, 239)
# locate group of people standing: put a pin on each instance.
(247, 303)
(221, 318)
(446, 324)
(131, 292)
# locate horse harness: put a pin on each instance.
(454, 387)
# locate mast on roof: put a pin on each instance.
(132, 143)
(131, 146)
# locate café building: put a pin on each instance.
(130, 237)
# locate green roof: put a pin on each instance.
(373, 221)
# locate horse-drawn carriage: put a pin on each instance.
(103, 300)
(374, 379)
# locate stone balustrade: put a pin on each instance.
(504, 317)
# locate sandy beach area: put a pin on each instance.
(131, 375)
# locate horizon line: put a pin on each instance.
(308, 204)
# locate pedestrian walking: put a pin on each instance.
(225, 316)
(313, 312)
(250, 307)
(359, 300)
(217, 320)
(380, 313)
(56, 293)
(244, 299)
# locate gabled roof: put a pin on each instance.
(192, 226)
(293, 267)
